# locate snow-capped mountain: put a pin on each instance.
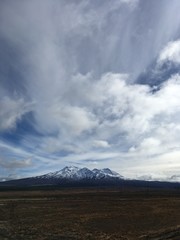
(75, 173)
(83, 177)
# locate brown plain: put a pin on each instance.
(92, 214)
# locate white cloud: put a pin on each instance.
(66, 119)
(101, 144)
(170, 53)
(131, 119)
(11, 111)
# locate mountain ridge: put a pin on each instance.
(75, 173)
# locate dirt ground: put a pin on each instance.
(93, 214)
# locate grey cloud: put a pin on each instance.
(15, 164)
(111, 37)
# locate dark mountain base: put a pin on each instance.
(33, 183)
(93, 214)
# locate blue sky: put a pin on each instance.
(90, 83)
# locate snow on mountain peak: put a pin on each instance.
(73, 172)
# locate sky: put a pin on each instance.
(89, 83)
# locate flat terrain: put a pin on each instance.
(71, 214)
